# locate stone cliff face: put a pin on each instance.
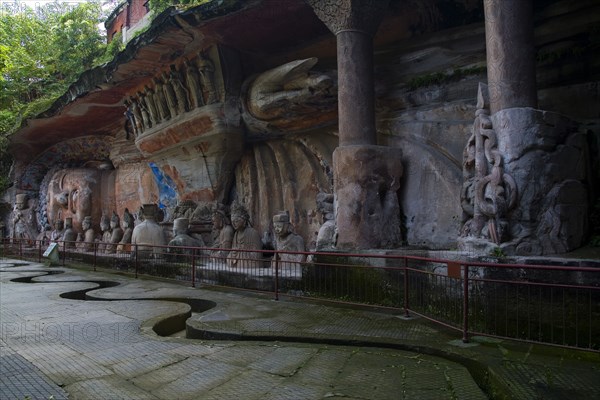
(242, 106)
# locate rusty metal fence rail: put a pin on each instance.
(548, 304)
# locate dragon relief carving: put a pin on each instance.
(488, 192)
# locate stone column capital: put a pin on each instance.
(350, 15)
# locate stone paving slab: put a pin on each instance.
(296, 350)
(21, 379)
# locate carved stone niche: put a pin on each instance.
(80, 192)
(201, 146)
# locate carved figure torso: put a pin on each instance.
(169, 95)
(223, 239)
(185, 240)
(149, 233)
(193, 85)
(161, 101)
(70, 235)
(58, 231)
(180, 92)
(127, 231)
(246, 238)
(147, 102)
(23, 221)
(89, 236)
(206, 69)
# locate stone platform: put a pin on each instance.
(54, 343)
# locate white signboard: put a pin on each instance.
(50, 249)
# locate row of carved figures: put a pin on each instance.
(112, 238)
(174, 92)
(234, 240)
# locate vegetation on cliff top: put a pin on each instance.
(42, 52)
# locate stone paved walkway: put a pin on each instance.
(57, 347)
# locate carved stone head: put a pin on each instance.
(180, 226)
(86, 223)
(104, 223)
(239, 216)
(127, 219)
(115, 221)
(281, 225)
(21, 201)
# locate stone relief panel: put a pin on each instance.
(432, 177)
(192, 83)
(287, 175)
(135, 184)
(78, 193)
(290, 98)
(74, 152)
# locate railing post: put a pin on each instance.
(64, 253)
(465, 329)
(406, 313)
(135, 250)
(276, 275)
(95, 254)
(40, 251)
(194, 267)
(21, 248)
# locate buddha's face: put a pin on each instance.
(217, 221)
(104, 225)
(21, 204)
(281, 228)
(238, 222)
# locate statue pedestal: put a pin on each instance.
(366, 181)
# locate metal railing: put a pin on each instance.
(550, 304)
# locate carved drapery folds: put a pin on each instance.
(488, 193)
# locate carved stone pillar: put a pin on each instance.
(366, 176)
(354, 22)
(525, 170)
(510, 54)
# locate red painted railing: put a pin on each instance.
(551, 304)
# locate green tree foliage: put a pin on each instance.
(42, 52)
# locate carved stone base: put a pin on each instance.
(366, 180)
(197, 150)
